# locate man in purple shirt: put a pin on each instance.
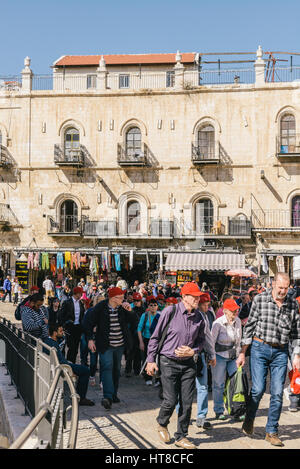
(184, 340)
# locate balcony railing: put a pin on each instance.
(65, 225)
(210, 227)
(132, 157)
(161, 228)
(5, 160)
(72, 157)
(206, 155)
(276, 219)
(100, 228)
(287, 147)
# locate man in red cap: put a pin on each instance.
(112, 318)
(183, 340)
(72, 312)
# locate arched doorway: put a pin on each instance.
(68, 216)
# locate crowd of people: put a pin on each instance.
(178, 339)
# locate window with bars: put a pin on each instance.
(133, 217)
(134, 143)
(170, 78)
(288, 134)
(91, 81)
(72, 144)
(124, 81)
(206, 142)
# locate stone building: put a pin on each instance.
(154, 158)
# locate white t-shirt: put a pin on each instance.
(48, 285)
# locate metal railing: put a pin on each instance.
(131, 157)
(71, 157)
(209, 154)
(211, 226)
(276, 219)
(288, 145)
(40, 383)
(5, 160)
(67, 224)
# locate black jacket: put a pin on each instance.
(67, 312)
(99, 316)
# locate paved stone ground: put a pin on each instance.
(131, 424)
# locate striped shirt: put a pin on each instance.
(115, 332)
(273, 324)
(33, 322)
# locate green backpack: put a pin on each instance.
(236, 393)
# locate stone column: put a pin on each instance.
(27, 75)
(179, 72)
(259, 68)
(102, 75)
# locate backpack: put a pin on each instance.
(18, 309)
(236, 393)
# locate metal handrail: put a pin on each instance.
(52, 402)
(46, 407)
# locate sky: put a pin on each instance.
(45, 30)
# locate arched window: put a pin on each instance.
(296, 210)
(133, 217)
(204, 216)
(287, 134)
(133, 142)
(72, 144)
(68, 216)
(206, 141)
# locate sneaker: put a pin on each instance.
(202, 423)
(149, 382)
(293, 409)
(248, 426)
(273, 439)
(115, 399)
(185, 444)
(106, 403)
(92, 381)
(86, 402)
(156, 384)
(220, 416)
(163, 434)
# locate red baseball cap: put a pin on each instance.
(171, 300)
(230, 304)
(149, 298)
(137, 297)
(205, 297)
(191, 288)
(77, 290)
(34, 287)
(115, 291)
(160, 297)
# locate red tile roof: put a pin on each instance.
(136, 59)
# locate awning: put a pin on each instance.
(205, 261)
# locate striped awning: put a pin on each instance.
(205, 261)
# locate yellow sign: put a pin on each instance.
(184, 276)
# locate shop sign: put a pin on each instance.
(184, 276)
(22, 274)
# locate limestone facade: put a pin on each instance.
(251, 180)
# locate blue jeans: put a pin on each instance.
(110, 368)
(263, 358)
(84, 351)
(218, 380)
(83, 374)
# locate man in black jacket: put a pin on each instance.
(72, 312)
(111, 317)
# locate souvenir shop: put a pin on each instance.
(90, 264)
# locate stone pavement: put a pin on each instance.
(131, 424)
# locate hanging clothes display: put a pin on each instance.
(53, 265)
(117, 258)
(161, 260)
(36, 261)
(131, 259)
(30, 264)
(45, 261)
(60, 260)
(147, 261)
(68, 258)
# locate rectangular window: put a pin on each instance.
(91, 81)
(170, 78)
(123, 81)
